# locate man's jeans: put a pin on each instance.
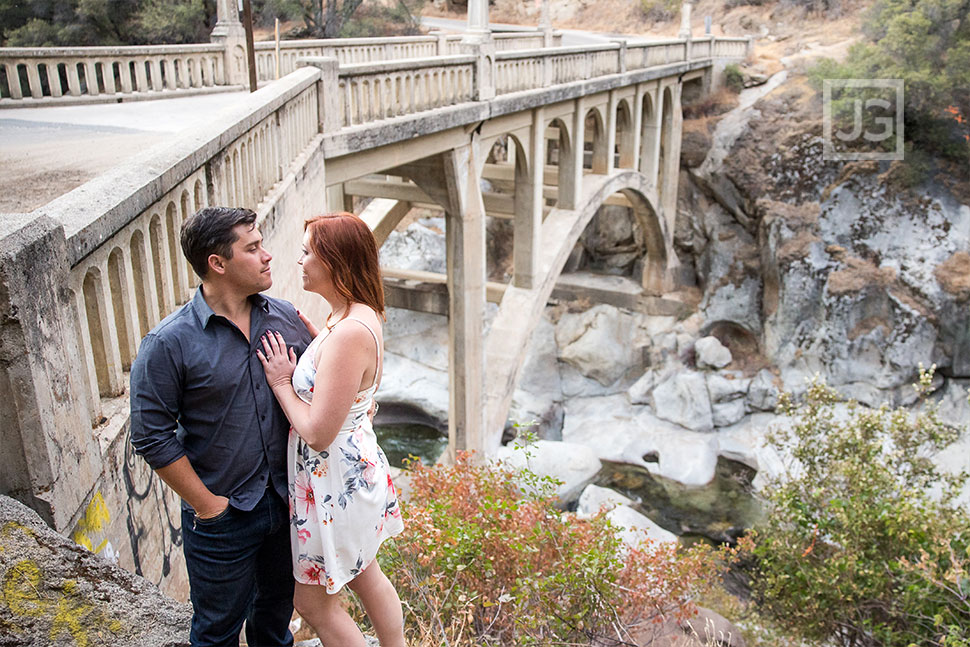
(239, 569)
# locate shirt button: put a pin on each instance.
(263, 418)
(257, 386)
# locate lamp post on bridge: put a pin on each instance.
(478, 42)
(230, 33)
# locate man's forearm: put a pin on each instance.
(181, 477)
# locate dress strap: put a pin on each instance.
(377, 343)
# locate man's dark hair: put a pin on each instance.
(210, 231)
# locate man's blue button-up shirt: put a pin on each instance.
(198, 390)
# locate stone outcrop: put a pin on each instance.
(58, 593)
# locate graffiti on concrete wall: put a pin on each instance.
(30, 600)
(153, 517)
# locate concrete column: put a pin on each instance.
(571, 163)
(611, 133)
(685, 9)
(50, 459)
(338, 200)
(637, 126)
(229, 32)
(442, 41)
(465, 244)
(529, 202)
(477, 17)
(328, 96)
(671, 161)
(545, 24)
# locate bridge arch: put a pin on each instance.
(521, 309)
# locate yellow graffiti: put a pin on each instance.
(69, 613)
(96, 519)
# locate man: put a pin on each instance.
(205, 420)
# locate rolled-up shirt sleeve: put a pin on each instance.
(155, 402)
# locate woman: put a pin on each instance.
(342, 502)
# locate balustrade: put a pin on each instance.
(92, 71)
(128, 282)
(370, 92)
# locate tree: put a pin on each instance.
(926, 43)
(864, 543)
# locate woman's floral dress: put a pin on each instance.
(343, 504)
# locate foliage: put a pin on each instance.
(356, 18)
(660, 10)
(172, 21)
(926, 43)
(864, 544)
(488, 559)
(733, 77)
(41, 23)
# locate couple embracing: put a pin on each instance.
(263, 427)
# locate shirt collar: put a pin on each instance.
(204, 313)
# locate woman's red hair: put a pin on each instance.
(347, 247)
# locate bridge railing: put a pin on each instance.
(522, 70)
(59, 73)
(377, 91)
(92, 71)
(127, 270)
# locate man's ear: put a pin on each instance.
(216, 263)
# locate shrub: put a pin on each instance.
(660, 10)
(733, 78)
(863, 544)
(483, 561)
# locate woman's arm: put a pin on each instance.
(341, 361)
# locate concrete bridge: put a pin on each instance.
(83, 278)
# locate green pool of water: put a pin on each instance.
(401, 441)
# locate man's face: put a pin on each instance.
(248, 269)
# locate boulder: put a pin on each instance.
(617, 432)
(725, 387)
(420, 247)
(596, 342)
(573, 464)
(711, 353)
(727, 413)
(683, 399)
(634, 527)
(58, 593)
(596, 499)
(639, 392)
(763, 392)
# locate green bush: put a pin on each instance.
(863, 543)
(733, 78)
(487, 559)
(660, 10)
(926, 44)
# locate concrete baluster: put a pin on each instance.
(73, 78)
(33, 80)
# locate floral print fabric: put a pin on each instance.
(343, 504)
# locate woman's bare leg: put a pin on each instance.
(382, 604)
(327, 616)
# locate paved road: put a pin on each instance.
(570, 37)
(46, 152)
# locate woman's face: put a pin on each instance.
(316, 276)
